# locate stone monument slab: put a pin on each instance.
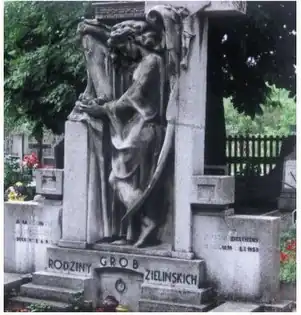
(123, 275)
(213, 7)
(49, 182)
(75, 185)
(241, 254)
(213, 190)
(289, 175)
(30, 228)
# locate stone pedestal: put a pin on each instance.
(138, 280)
(75, 203)
(190, 125)
(49, 182)
(287, 198)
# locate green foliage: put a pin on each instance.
(279, 114)
(79, 304)
(13, 172)
(286, 236)
(43, 66)
(288, 256)
(288, 272)
(39, 307)
(260, 47)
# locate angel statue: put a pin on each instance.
(131, 129)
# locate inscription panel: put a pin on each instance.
(231, 243)
(119, 10)
(32, 231)
(153, 269)
(49, 181)
(163, 275)
(232, 255)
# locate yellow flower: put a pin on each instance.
(18, 184)
(12, 196)
(122, 308)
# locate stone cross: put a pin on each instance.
(191, 115)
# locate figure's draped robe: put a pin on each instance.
(135, 131)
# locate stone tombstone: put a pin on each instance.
(241, 254)
(29, 228)
(49, 182)
(287, 199)
(134, 158)
(289, 175)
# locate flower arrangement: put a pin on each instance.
(30, 161)
(288, 256)
(110, 304)
(16, 192)
(18, 177)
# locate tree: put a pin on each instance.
(244, 53)
(44, 69)
(279, 114)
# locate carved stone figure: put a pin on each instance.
(132, 117)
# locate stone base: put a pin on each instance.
(72, 244)
(287, 201)
(138, 281)
(163, 250)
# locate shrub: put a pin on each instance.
(288, 256)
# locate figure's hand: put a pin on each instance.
(83, 98)
(93, 109)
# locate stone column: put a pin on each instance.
(18, 145)
(190, 133)
(75, 200)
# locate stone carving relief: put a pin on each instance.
(131, 124)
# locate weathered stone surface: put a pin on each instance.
(59, 280)
(123, 274)
(237, 307)
(75, 183)
(119, 9)
(26, 301)
(164, 250)
(281, 306)
(289, 175)
(29, 228)
(190, 125)
(214, 7)
(159, 306)
(213, 190)
(171, 294)
(49, 181)
(241, 254)
(47, 292)
(13, 281)
(155, 269)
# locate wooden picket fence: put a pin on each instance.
(255, 155)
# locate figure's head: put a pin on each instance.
(128, 37)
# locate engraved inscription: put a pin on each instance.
(231, 243)
(205, 191)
